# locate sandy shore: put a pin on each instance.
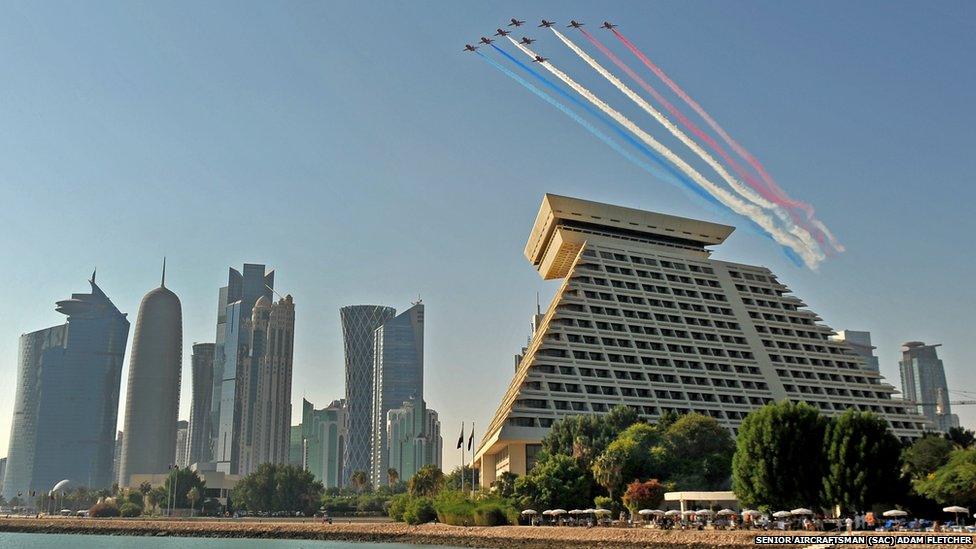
(502, 537)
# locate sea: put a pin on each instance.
(80, 541)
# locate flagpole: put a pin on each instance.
(471, 448)
(461, 447)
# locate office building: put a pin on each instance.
(264, 382)
(860, 343)
(644, 317)
(414, 435)
(3, 469)
(322, 441)
(198, 438)
(235, 303)
(296, 451)
(67, 398)
(359, 322)
(152, 401)
(182, 433)
(117, 458)
(923, 382)
(398, 376)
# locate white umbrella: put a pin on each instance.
(781, 514)
(547, 512)
(895, 513)
(955, 509)
(589, 511)
(801, 511)
(703, 512)
(558, 511)
(575, 512)
(687, 513)
(645, 512)
(602, 511)
(751, 512)
(672, 513)
(725, 512)
(529, 512)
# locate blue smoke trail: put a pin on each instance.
(672, 176)
(653, 170)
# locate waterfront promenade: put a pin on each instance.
(501, 537)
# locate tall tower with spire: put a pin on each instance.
(153, 397)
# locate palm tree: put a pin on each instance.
(392, 476)
(193, 496)
(359, 480)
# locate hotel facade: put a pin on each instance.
(645, 318)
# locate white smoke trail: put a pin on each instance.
(745, 191)
(810, 257)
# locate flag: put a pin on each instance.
(471, 437)
(461, 438)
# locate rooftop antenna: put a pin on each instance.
(93, 274)
(162, 283)
(275, 292)
(538, 307)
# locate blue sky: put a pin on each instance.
(355, 149)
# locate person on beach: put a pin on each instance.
(850, 524)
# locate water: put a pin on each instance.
(81, 541)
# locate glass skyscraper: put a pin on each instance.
(398, 376)
(234, 307)
(198, 444)
(923, 382)
(358, 324)
(67, 401)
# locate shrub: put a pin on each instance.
(490, 514)
(453, 507)
(103, 510)
(398, 504)
(130, 509)
(641, 495)
(419, 510)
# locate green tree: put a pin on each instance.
(392, 477)
(587, 436)
(698, 453)
(504, 485)
(359, 481)
(178, 483)
(925, 455)
(428, 481)
(453, 479)
(156, 497)
(643, 495)
(953, 483)
(609, 467)
(778, 456)
(273, 488)
(557, 482)
(145, 487)
(863, 462)
(962, 438)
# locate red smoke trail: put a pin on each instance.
(739, 149)
(684, 120)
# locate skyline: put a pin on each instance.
(352, 218)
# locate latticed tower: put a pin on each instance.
(358, 324)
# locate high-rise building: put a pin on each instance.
(3, 469)
(644, 317)
(235, 303)
(296, 451)
(264, 386)
(152, 401)
(359, 322)
(322, 441)
(117, 458)
(923, 382)
(198, 438)
(860, 343)
(182, 434)
(67, 400)
(398, 376)
(414, 434)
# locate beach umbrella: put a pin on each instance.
(602, 511)
(703, 512)
(576, 512)
(529, 512)
(725, 512)
(589, 511)
(801, 511)
(955, 509)
(687, 513)
(781, 514)
(895, 513)
(751, 512)
(672, 513)
(547, 512)
(559, 511)
(645, 512)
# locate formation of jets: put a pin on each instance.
(528, 41)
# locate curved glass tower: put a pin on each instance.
(358, 324)
(67, 401)
(153, 397)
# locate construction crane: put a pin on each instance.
(940, 402)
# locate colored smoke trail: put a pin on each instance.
(737, 205)
(739, 149)
(746, 192)
(673, 175)
(653, 170)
